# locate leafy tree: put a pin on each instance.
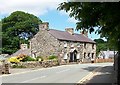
(0, 37)
(104, 16)
(103, 46)
(99, 41)
(18, 28)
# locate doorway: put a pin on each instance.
(73, 56)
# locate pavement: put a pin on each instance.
(84, 73)
(104, 75)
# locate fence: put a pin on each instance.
(103, 60)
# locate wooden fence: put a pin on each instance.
(103, 60)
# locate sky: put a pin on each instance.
(46, 10)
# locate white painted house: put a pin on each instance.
(107, 54)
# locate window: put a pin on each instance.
(84, 45)
(92, 55)
(65, 45)
(88, 54)
(92, 46)
(84, 55)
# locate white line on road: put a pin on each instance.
(33, 79)
(34, 70)
(90, 75)
(63, 71)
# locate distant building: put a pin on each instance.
(3, 56)
(107, 54)
(23, 50)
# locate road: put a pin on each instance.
(60, 74)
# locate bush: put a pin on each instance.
(13, 60)
(18, 66)
(52, 57)
(28, 58)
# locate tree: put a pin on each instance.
(102, 45)
(99, 40)
(104, 16)
(18, 28)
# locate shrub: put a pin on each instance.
(28, 58)
(13, 60)
(18, 66)
(52, 57)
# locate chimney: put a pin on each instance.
(70, 30)
(24, 46)
(84, 32)
(44, 26)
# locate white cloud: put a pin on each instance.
(70, 19)
(36, 7)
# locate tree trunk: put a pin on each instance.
(118, 76)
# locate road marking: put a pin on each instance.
(90, 75)
(32, 71)
(33, 79)
(63, 71)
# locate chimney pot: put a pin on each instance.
(70, 30)
(44, 26)
(24, 46)
(84, 32)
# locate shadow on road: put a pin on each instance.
(104, 76)
(103, 70)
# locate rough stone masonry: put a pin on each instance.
(67, 45)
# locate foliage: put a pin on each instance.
(52, 57)
(99, 41)
(18, 66)
(20, 58)
(13, 60)
(18, 28)
(103, 46)
(104, 16)
(28, 58)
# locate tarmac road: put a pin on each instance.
(60, 74)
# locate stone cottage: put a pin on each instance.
(65, 44)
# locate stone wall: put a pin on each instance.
(44, 44)
(79, 46)
(88, 50)
(4, 68)
(36, 64)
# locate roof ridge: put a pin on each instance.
(63, 35)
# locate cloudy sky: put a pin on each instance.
(46, 10)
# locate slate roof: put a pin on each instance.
(63, 35)
(25, 51)
(107, 54)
